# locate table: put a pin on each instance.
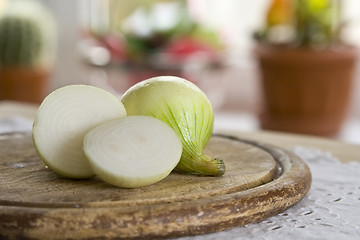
(329, 211)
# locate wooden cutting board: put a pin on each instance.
(260, 181)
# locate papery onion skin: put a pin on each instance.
(185, 108)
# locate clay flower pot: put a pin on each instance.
(24, 84)
(305, 90)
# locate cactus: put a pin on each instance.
(27, 35)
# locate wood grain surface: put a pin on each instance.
(261, 180)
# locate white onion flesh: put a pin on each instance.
(132, 152)
(61, 122)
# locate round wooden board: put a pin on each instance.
(260, 181)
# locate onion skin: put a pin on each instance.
(185, 108)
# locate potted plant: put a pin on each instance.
(27, 39)
(305, 67)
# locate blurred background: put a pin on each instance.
(220, 45)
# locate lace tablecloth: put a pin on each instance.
(331, 210)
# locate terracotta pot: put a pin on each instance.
(305, 90)
(24, 84)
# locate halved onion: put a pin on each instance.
(61, 122)
(132, 152)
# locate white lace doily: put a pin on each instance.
(331, 209)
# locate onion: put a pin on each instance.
(132, 152)
(61, 122)
(185, 108)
